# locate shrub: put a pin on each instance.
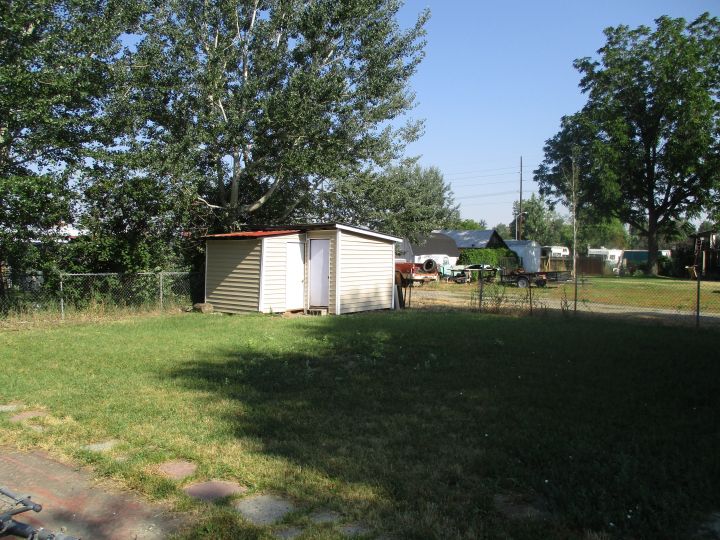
(493, 257)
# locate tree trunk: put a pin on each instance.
(652, 245)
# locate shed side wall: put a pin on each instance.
(367, 273)
(233, 275)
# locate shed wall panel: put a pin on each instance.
(367, 273)
(232, 275)
(274, 272)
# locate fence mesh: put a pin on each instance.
(654, 299)
(65, 293)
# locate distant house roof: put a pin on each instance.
(475, 239)
(436, 244)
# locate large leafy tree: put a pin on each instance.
(407, 200)
(55, 58)
(647, 141)
(258, 107)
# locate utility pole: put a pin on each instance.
(518, 227)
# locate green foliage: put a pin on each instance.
(494, 257)
(540, 223)
(407, 200)
(55, 61)
(646, 142)
(270, 103)
(504, 231)
(467, 225)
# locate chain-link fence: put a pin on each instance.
(67, 293)
(660, 299)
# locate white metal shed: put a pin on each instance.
(331, 268)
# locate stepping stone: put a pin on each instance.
(27, 415)
(264, 509)
(10, 407)
(177, 469)
(101, 446)
(214, 490)
(288, 533)
(324, 516)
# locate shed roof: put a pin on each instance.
(252, 234)
(278, 230)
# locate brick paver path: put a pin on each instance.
(71, 499)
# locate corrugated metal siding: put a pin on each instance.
(275, 264)
(323, 235)
(233, 275)
(366, 273)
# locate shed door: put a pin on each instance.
(295, 276)
(319, 272)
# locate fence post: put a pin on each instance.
(62, 299)
(697, 299)
(161, 290)
(530, 296)
(481, 286)
(576, 285)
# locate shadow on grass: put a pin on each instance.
(612, 426)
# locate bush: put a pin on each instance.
(493, 257)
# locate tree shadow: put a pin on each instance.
(436, 428)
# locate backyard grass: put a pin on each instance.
(416, 424)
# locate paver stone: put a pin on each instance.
(264, 509)
(177, 469)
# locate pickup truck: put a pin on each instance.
(407, 273)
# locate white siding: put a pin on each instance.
(232, 275)
(274, 266)
(332, 236)
(366, 273)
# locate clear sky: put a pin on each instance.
(498, 76)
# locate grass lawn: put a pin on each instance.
(415, 424)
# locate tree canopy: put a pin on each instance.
(647, 142)
(257, 105)
(149, 124)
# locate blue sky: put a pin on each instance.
(498, 76)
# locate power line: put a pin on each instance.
(464, 176)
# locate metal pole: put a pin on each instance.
(161, 290)
(62, 299)
(697, 299)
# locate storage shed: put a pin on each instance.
(326, 268)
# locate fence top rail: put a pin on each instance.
(64, 274)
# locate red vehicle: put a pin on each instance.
(407, 273)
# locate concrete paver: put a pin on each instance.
(264, 509)
(71, 499)
(10, 407)
(177, 469)
(325, 516)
